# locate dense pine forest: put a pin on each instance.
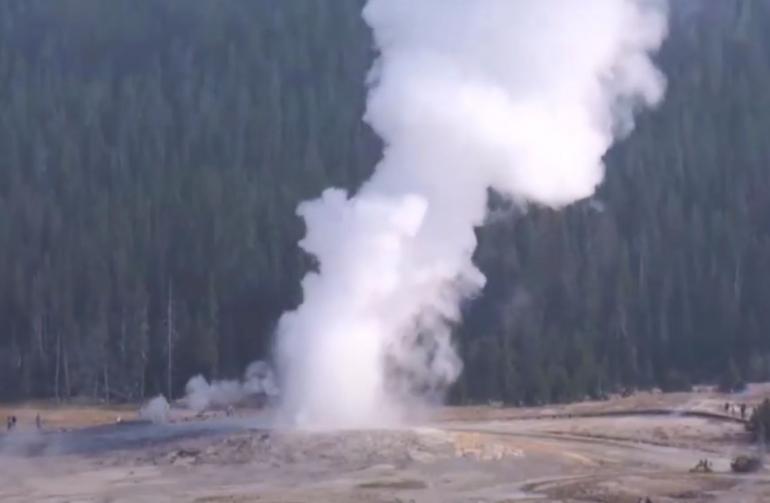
(153, 152)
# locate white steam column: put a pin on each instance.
(523, 96)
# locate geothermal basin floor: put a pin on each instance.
(615, 451)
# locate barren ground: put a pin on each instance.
(615, 452)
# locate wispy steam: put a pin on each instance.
(156, 410)
(258, 380)
(522, 96)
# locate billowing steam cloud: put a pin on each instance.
(258, 380)
(522, 96)
(156, 410)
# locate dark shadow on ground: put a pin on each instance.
(128, 435)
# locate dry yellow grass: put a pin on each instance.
(57, 416)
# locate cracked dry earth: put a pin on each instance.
(496, 456)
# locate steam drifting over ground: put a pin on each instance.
(521, 96)
(258, 380)
(156, 410)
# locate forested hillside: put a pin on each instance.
(152, 154)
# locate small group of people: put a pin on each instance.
(703, 466)
(12, 421)
(738, 409)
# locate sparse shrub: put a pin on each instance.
(746, 464)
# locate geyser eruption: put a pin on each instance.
(521, 96)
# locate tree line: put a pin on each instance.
(153, 152)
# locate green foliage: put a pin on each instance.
(152, 155)
(731, 381)
(664, 271)
(675, 381)
(158, 143)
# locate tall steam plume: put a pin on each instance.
(521, 96)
